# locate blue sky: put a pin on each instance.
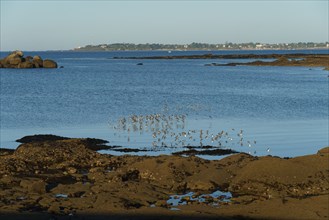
(48, 25)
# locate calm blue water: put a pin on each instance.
(283, 109)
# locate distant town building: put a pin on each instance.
(202, 46)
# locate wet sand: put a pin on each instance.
(67, 179)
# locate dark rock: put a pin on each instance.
(215, 152)
(219, 64)
(29, 58)
(130, 204)
(40, 138)
(49, 64)
(131, 175)
(95, 141)
(96, 144)
(129, 150)
(91, 143)
(200, 147)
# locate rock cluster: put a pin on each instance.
(16, 59)
(53, 175)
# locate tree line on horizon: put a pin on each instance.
(200, 46)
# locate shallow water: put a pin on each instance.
(219, 196)
(283, 109)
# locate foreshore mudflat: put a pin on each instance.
(66, 179)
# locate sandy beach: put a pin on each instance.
(66, 179)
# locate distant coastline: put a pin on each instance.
(202, 46)
(4, 52)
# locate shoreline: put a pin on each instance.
(65, 178)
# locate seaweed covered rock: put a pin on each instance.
(60, 177)
(55, 155)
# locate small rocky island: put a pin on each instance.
(16, 59)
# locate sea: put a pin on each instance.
(163, 106)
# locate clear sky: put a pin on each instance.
(48, 25)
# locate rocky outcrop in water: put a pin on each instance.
(285, 60)
(57, 177)
(17, 60)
